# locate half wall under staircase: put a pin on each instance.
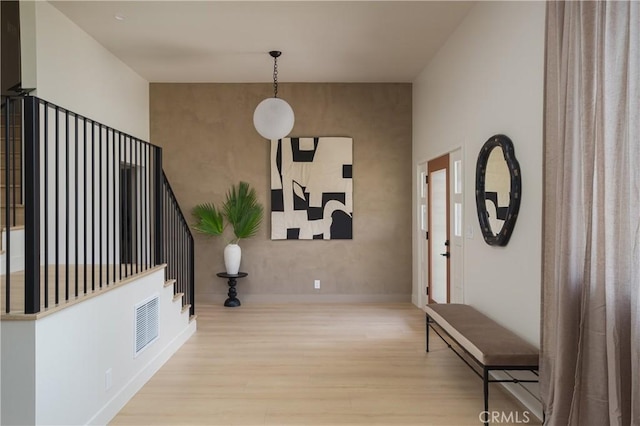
(91, 229)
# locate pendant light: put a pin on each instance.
(273, 117)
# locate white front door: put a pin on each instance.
(439, 240)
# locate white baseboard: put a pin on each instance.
(115, 404)
(309, 298)
(519, 392)
(414, 300)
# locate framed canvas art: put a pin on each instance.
(312, 188)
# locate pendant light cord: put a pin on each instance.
(275, 77)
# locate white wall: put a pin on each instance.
(69, 68)
(65, 383)
(18, 372)
(74, 71)
(488, 79)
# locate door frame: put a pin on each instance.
(456, 247)
(433, 165)
(423, 244)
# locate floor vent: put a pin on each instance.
(146, 327)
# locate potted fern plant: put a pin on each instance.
(241, 210)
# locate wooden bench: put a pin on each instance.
(488, 344)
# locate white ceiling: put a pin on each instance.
(228, 41)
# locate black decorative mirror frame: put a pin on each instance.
(510, 213)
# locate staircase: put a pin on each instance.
(83, 207)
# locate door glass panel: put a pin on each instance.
(457, 220)
(457, 177)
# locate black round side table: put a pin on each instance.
(232, 301)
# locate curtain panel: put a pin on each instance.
(590, 349)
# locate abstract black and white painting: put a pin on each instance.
(312, 188)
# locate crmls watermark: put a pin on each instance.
(505, 417)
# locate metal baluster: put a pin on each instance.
(115, 204)
(143, 175)
(121, 195)
(136, 223)
(93, 205)
(131, 206)
(57, 202)
(107, 209)
(66, 205)
(182, 254)
(32, 208)
(100, 258)
(84, 189)
(75, 178)
(192, 276)
(46, 204)
(126, 211)
(159, 237)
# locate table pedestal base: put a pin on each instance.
(232, 301)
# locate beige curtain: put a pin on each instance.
(590, 356)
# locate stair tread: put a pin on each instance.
(12, 228)
(16, 227)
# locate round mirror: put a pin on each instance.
(498, 189)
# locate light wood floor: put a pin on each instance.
(314, 364)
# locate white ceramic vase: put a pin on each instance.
(232, 257)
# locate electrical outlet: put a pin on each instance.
(316, 284)
(107, 380)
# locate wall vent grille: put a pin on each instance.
(147, 323)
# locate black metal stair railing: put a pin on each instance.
(178, 246)
(94, 206)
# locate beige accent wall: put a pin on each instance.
(209, 143)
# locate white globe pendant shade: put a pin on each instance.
(273, 118)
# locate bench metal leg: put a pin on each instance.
(485, 380)
(427, 331)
